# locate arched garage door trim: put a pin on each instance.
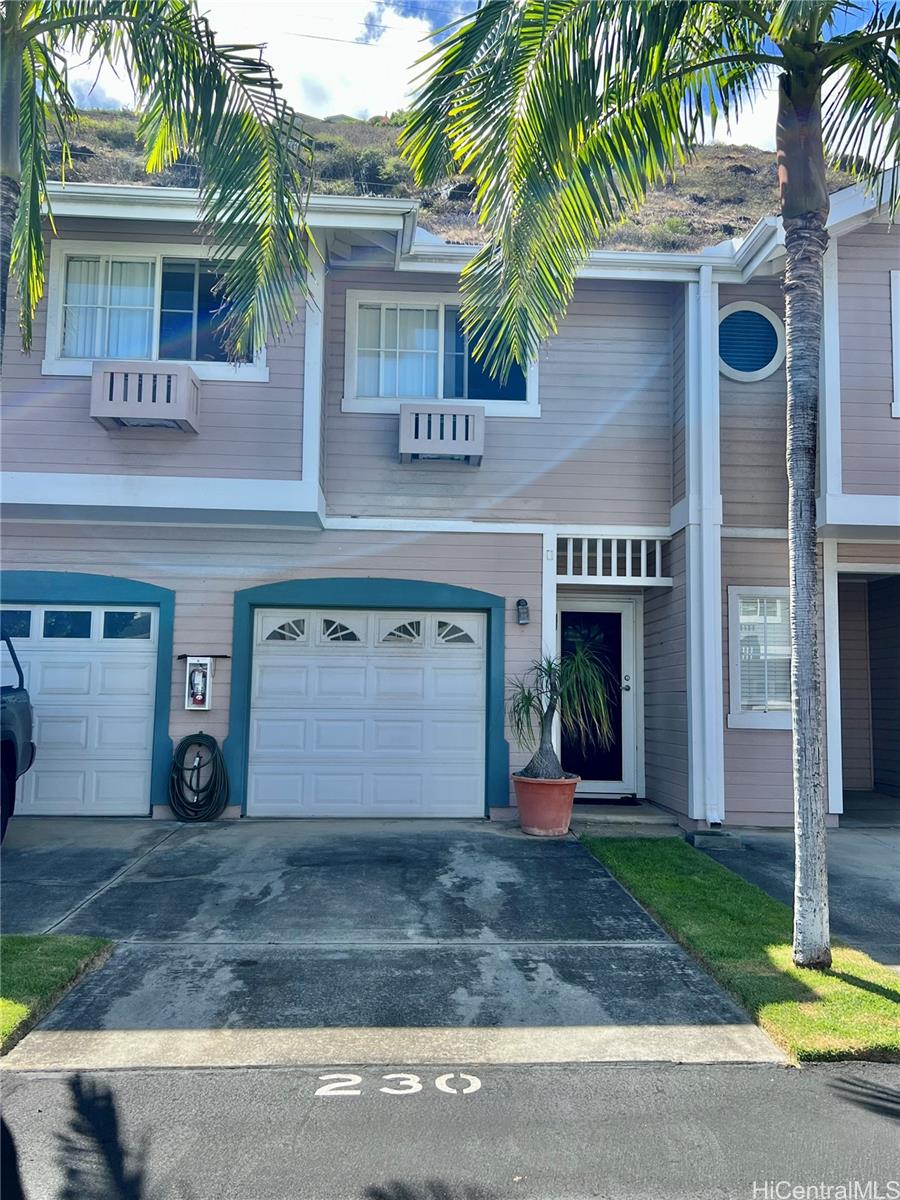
(367, 594)
(75, 587)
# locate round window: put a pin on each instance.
(751, 341)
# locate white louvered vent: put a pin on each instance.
(145, 395)
(448, 431)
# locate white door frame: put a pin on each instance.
(632, 610)
(832, 569)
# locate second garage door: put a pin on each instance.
(364, 714)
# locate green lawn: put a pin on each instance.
(743, 938)
(35, 970)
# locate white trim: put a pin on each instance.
(141, 202)
(737, 718)
(62, 248)
(182, 495)
(441, 525)
(352, 403)
(834, 768)
(856, 514)
(777, 324)
(703, 547)
(632, 610)
(830, 464)
(313, 370)
(895, 341)
(873, 568)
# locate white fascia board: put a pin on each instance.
(138, 202)
(848, 516)
(183, 497)
(601, 264)
(441, 525)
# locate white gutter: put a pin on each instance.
(138, 202)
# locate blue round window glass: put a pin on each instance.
(748, 341)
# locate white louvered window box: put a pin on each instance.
(145, 395)
(623, 561)
(442, 431)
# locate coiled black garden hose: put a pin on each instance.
(198, 784)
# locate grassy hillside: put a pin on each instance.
(722, 194)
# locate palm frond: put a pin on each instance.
(861, 116)
(222, 105)
(565, 113)
(45, 101)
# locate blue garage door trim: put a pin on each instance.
(371, 594)
(71, 587)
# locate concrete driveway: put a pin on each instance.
(863, 879)
(263, 942)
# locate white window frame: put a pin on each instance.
(738, 719)
(353, 403)
(777, 325)
(61, 250)
(895, 341)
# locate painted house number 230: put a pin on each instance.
(398, 1084)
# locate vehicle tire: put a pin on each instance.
(7, 801)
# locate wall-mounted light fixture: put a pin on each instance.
(522, 615)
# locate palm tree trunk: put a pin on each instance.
(804, 206)
(10, 166)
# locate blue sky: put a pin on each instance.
(352, 56)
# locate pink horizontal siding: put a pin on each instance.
(206, 566)
(870, 436)
(856, 704)
(752, 431)
(665, 686)
(887, 553)
(601, 450)
(758, 770)
(248, 430)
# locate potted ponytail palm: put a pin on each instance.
(576, 688)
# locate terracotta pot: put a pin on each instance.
(545, 805)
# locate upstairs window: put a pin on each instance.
(191, 312)
(759, 658)
(108, 308)
(144, 304)
(112, 309)
(408, 347)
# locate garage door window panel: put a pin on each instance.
(16, 622)
(122, 624)
(73, 623)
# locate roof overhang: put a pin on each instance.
(138, 202)
(385, 229)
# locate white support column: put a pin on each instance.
(832, 653)
(706, 769)
(313, 358)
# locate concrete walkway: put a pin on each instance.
(863, 878)
(280, 943)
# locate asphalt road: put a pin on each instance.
(625, 1132)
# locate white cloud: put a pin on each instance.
(755, 126)
(317, 51)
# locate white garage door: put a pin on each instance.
(363, 714)
(91, 674)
